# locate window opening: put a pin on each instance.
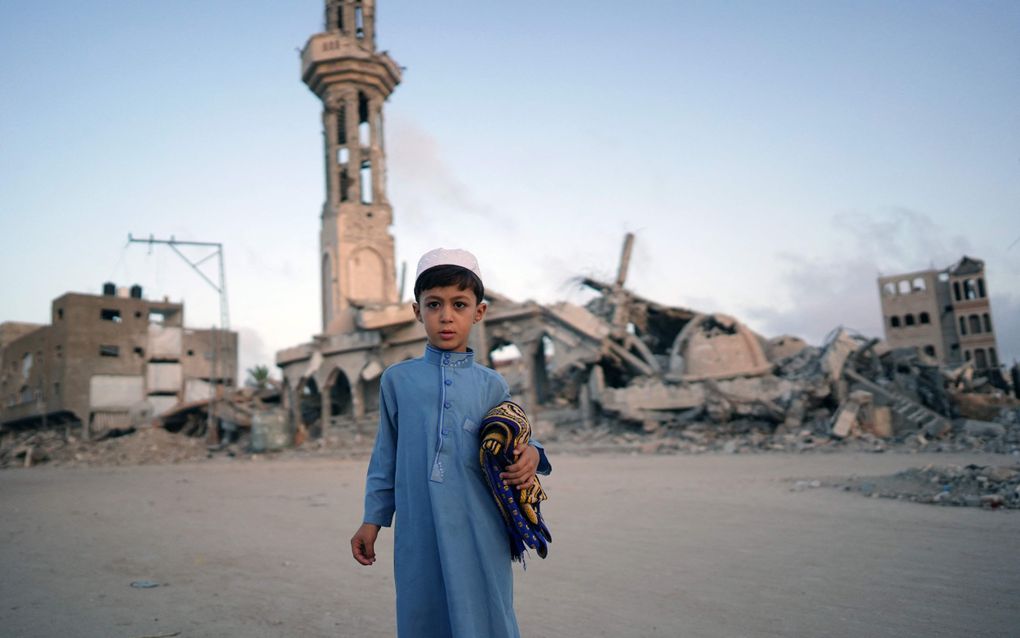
(894, 321)
(364, 132)
(966, 355)
(341, 125)
(359, 21)
(109, 351)
(929, 350)
(889, 289)
(981, 287)
(956, 290)
(988, 322)
(904, 287)
(109, 314)
(924, 318)
(980, 361)
(992, 358)
(969, 289)
(919, 285)
(342, 155)
(366, 182)
(60, 313)
(908, 320)
(975, 324)
(345, 185)
(963, 325)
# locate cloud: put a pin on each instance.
(252, 351)
(820, 293)
(424, 181)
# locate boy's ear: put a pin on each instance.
(480, 311)
(417, 311)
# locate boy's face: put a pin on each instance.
(448, 314)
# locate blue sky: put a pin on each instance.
(772, 158)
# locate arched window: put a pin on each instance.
(894, 321)
(889, 289)
(929, 350)
(919, 285)
(988, 322)
(975, 324)
(981, 287)
(969, 289)
(963, 325)
(966, 355)
(925, 318)
(908, 320)
(992, 359)
(904, 287)
(956, 291)
(980, 362)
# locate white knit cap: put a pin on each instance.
(448, 257)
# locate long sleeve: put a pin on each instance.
(379, 497)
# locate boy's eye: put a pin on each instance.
(432, 304)
(460, 305)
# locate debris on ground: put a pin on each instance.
(990, 487)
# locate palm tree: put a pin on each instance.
(258, 377)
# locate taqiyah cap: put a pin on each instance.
(448, 257)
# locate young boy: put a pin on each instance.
(451, 558)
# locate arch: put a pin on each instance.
(908, 319)
(980, 360)
(969, 289)
(889, 289)
(975, 324)
(309, 401)
(366, 275)
(919, 284)
(904, 287)
(924, 318)
(894, 321)
(339, 392)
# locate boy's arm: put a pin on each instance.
(379, 497)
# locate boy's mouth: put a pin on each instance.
(447, 333)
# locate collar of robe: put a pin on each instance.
(448, 358)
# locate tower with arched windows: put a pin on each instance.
(353, 80)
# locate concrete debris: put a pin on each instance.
(990, 487)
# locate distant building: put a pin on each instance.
(109, 360)
(943, 313)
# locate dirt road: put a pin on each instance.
(643, 546)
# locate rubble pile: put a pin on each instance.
(133, 446)
(991, 487)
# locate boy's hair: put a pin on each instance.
(449, 275)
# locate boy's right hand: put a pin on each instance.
(363, 543)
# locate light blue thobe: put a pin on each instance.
(451, 557)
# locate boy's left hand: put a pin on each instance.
(521, 473)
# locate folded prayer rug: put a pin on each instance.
(503, 429)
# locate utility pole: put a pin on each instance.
(212, 433)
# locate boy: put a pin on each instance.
(451, 554)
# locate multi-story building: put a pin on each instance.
(943, 313)
(109, 360)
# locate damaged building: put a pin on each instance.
(620, 358)
(108, 361)
(945, 313)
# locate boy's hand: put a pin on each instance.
(521, 473)
(363, 543)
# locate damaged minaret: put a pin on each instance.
(353, 80)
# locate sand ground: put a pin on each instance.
(713, 545)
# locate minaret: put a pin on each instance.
(342, 67)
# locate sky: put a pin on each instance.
(772, 158)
